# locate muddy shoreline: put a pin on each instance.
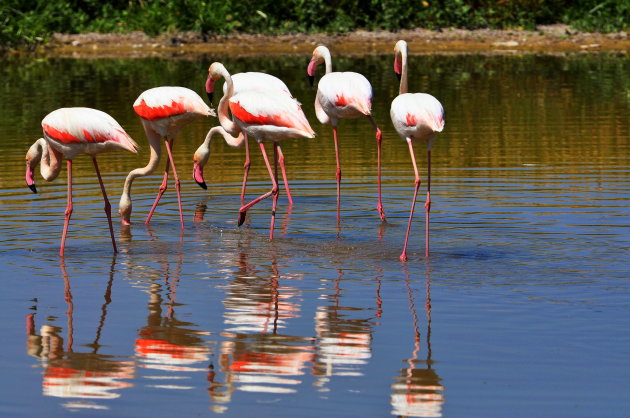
(552, 39)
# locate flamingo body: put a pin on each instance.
(253, 80)
(343, 95)
(417, 116)
(67, 133)
(164, 111)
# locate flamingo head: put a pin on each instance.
(199, 161)
(399, 50)
(33, 156)
(319, 57)
(124, 208)
(215, 72)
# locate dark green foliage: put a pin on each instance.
(28, 22)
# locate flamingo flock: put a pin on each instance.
(255, 105)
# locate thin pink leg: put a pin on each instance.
(108, 206)
(69, 209)
(274, 191)
(246, 167)
(379, 137)
(161, 191)
(427, 204)
(338, 180)
(403, 256)
(178, 187)
(274, 204)
(284, 175)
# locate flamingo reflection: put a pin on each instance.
(71, 374)
(344, 343)
(257, 356)
(418, 391)
(166, 343)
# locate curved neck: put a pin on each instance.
(48, 158)
(156, 152)
(224, 116)
(203, 152)
(327, 60)
(403, 75)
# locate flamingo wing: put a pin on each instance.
(82, 125)
(256, 81)
(347, 89)
(269, 107)
(417, 115)
(164, 102)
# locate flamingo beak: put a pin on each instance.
(311, 79)
(30, 180)
(210, 96)
(198, 176)
(32, 187)
(398, 76)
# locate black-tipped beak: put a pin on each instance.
(398, 76)
(33, 188)
(311, 79)
(210, 96)
(202, 184)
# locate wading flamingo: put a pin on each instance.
(343, 95)
(241, 82)
(266, 115)
(416, 117)
(67, 133)
(163, 112)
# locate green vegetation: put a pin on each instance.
(29, 22)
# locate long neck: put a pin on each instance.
(403, 75)
(327, 61)
(154, 159)
(203, 152)
(224, 116)
(48, 158)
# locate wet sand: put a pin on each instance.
(552, 39)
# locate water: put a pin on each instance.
(522, 308)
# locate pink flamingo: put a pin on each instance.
(163, 112)
(67, 133)
(264, 115)
(241, 82)
(343, 95)
(416, 117)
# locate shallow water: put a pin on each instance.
(522, 308)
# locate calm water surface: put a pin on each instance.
(522, 309)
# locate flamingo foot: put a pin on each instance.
(403, 257)
(241, 217)
(381, 212)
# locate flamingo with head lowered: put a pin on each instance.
(164, 111)
(416, 117)
(343, 95)
(67, 133)
(266, 115)
(241, 82)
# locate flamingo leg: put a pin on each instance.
(276, 151)
(69, 208)
(427, 204)
(403, 256)
(108, 206)
(379, 137)
(338, 169)
(161, 191)
(284, 175)
(178, 186)
(246, 168)
(274, 191)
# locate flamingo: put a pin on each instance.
(416, 117)
(242, 82)
(163, 112)
(67, 133)
(343, 95)
(265, 115)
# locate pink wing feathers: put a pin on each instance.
(163, 102)
(346, 89)
(82, 125)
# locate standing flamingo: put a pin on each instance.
(264, 115)
(67, 133)
(343, 95)
(416, 117)
(163, 111)
(241, 82)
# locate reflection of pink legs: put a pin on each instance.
(68, 211)
(108, 206)
(403, 256)
(273, 192)
(161, 191)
